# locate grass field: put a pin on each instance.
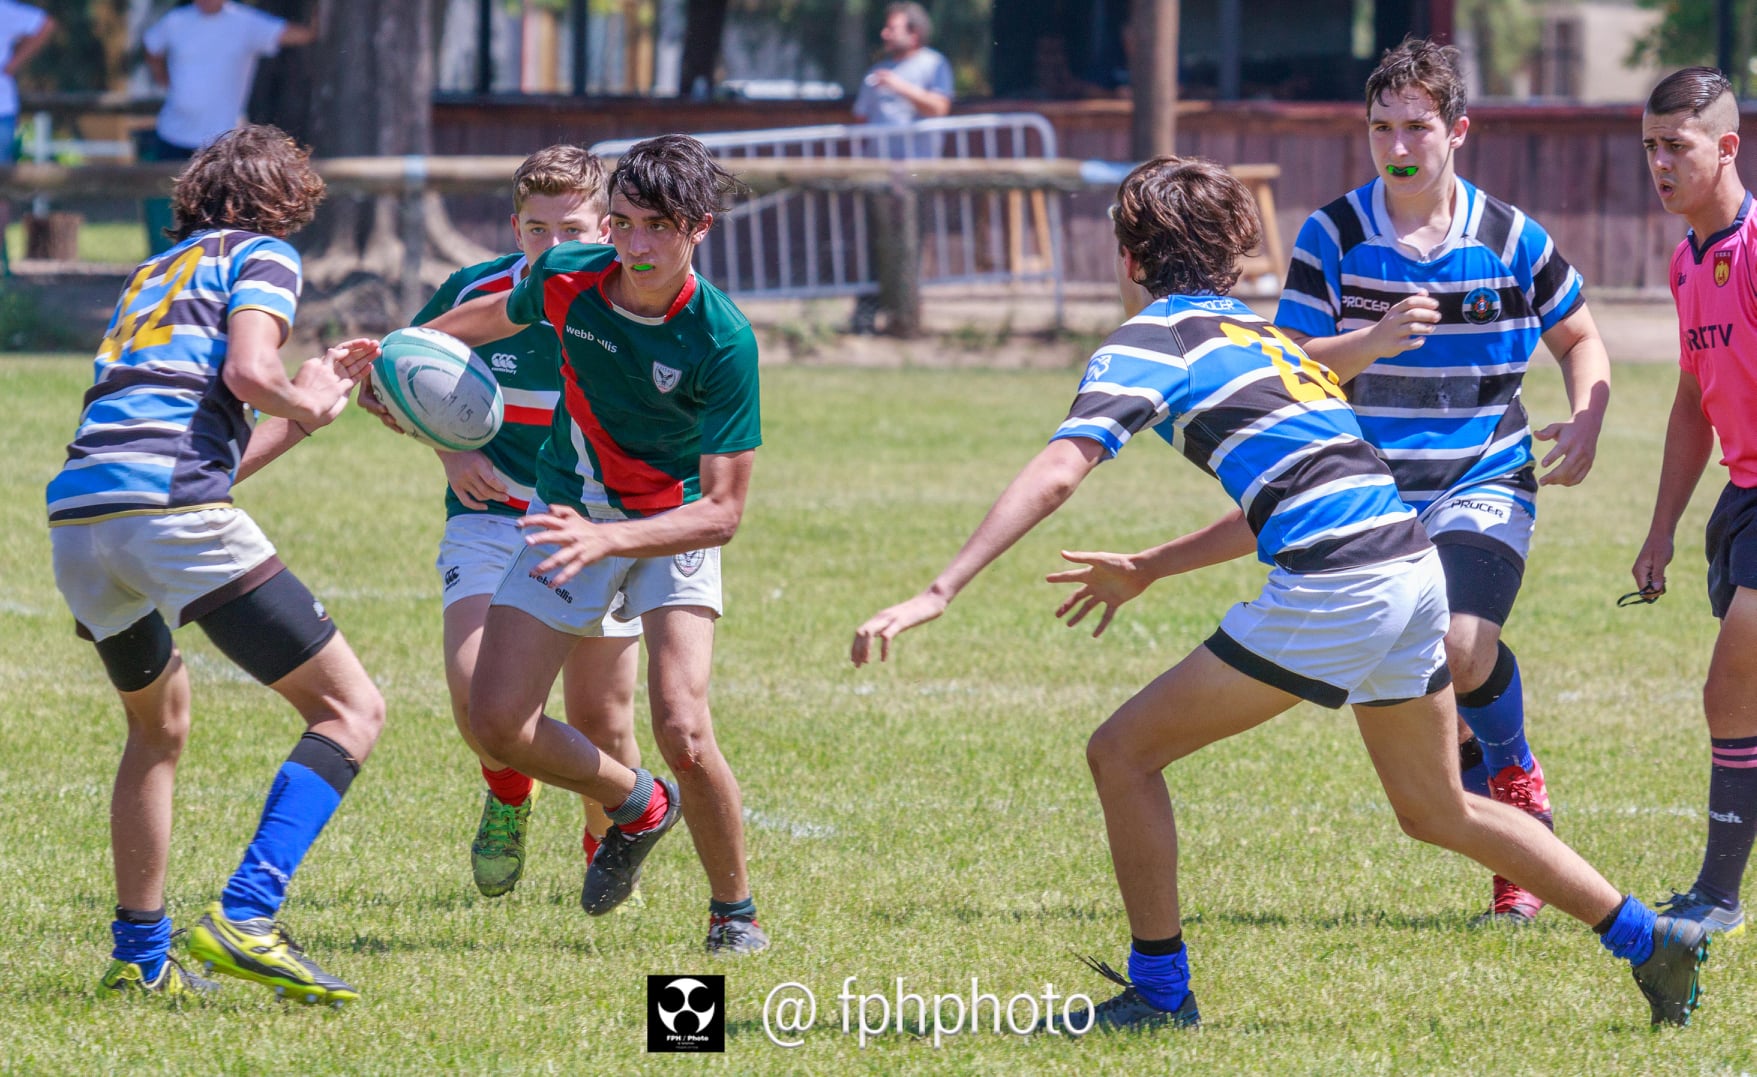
(930, 820)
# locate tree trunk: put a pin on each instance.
(704, 23)
(1153, 78)
(370, 80)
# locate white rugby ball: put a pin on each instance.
(437, 389)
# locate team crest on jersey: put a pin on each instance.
(1482, 306)
(1680, 278)
(1723, 267)
(690, 563)
(665, 377)
(1095, 369)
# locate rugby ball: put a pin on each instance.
(437, 389)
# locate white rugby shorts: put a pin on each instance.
(1492, 510)
(1364, 635)
(475, 553)
(587, 605)
(115, 571)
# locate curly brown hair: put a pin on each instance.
(562, 169)
(1187, 221)
(1420, 64)
(254, 177)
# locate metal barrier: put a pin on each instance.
(803, 243)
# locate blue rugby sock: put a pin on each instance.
(1732, 819)
(1495, 712)
(1628, 934)
(142, 938)
(1162, 973)
(306, 791)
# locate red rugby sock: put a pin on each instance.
(654, 815)
(508, 786)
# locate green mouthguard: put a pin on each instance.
(1404, 171)
(643, 266)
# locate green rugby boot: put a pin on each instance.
(174, 981)
(497, 856)
(260, 950)
(1669, 978)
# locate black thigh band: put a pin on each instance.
(1482, 575)
(135, 656)
(272, 630)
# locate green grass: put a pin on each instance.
(931, 820)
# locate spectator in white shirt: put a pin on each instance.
(24, 30)
(205, 56)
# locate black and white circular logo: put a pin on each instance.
(686, 1013)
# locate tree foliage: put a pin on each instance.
(1688, 33)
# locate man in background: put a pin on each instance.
(24, 30)
(910, 82)
(204, 54)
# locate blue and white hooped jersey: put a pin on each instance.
(1447, 414)
(160, 431)
(1243, 403)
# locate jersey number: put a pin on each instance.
(1317, 383)
(133, 333)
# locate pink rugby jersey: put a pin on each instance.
(1715, 289)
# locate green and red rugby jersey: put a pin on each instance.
(528, 367)
(643, 399)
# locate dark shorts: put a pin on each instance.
(1482, 575)
(1731, 546)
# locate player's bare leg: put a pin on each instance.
(680, 641)
(140, 800)
(514, 673)
(1195, 703)
(463, 640)
(598, 689)
(1411, 748)
(1730, 704)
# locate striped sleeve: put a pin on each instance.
(1131, 384)
(266, 277)
(524, 304)
(1556, 288)
(1311, 299)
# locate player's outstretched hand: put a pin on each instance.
(1576, 448)
(578, 542)
(1650, 565)
(1406, 325)
(473, 479)
(1107, 579)
(352, 358)
(887, 624)
(329, 378)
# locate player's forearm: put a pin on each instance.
(271, 438)
(1043, 486)
(1344, 355)
(1689, 441)
(1586, 366)
(1226, 539)
(161, 73)
(477, 322)
(30, 46)
(699, 525)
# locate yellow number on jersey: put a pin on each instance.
(1276, 345)
(135, 334)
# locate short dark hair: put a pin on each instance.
(561, 169)
(1420, 64)
(253, 177)
(1187, 221)
(915, 17)
(1690, 90)
(674, 176)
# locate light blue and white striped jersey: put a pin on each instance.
(1244, 404)
(160, 431)
(1447, 414)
